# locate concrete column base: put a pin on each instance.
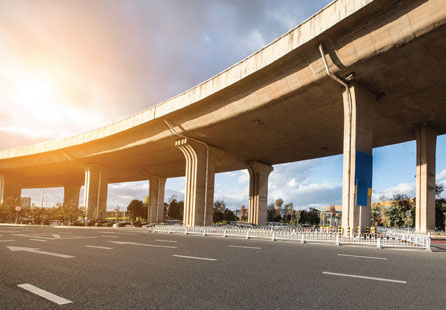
(425, 182)
(258, 192)
(156, 200)
(10, 187)
(200, 173)
(95, 194)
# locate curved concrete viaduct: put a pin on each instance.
(358, 74)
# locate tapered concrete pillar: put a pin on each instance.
(95, 193)
(200, 171)
(10, 187)
(156, 200)
(258, 192)
(357, 171)
(425, 187)
(71, 195)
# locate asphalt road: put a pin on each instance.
(133, 269)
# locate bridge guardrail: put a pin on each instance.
(379, 240)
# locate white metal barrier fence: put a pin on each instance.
(404, 240)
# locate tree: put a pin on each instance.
(313, 217)
(440, 209)
(229, 215)
(137, 209)
(7, 208)
(401, 212)
(219, 209)
(175, 209)
(376, 215)
(288, 207)
(270, 213)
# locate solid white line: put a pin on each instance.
(41, 240)
(44, 294)
(194, 257)
(99, 247)
(363, 277)
(159, 240)
(359, 256)
(245, 247)
(6, 240)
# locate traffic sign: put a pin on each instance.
(18, 209)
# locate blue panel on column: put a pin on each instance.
(364, 167)
(363, 177)
(362, 190)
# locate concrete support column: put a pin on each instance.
(71, 195)
(258, 192)
(425, 202)
(357, 171)
(10, 187)
(156, 200)
(200, 172)
(95, 194)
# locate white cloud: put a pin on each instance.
(402, 188)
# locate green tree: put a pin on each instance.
(175, 209)
(7, 208)
(219, 210)
(137, 210)
(440, 209)
(376, 215)
(401, 213)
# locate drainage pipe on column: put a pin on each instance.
(349, 125)
(169, 125)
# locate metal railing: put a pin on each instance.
(379, 240)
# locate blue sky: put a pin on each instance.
(70, 66)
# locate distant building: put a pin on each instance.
(26, 202)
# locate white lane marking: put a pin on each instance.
(37, 251)
(44, 294)
(359, 256)
(40, 240)
(363, 277)
(159, 240)
(6, 240)
(244, 247)
(194, 257)
(109, 236)
(144, 244)
(56, 236)
(99, 247)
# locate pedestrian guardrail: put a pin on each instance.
(379, 240)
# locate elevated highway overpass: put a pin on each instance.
(358, 74)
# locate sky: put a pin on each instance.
(71, 66)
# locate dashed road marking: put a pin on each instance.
(37, 251)
(245, 247)
(194, 257)
(360, 256)
(172, 241)
(144, 244)
(44, 294)
(363, 277)
(40, 240)
(7, 240)
(99, 247)
(109, 236)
